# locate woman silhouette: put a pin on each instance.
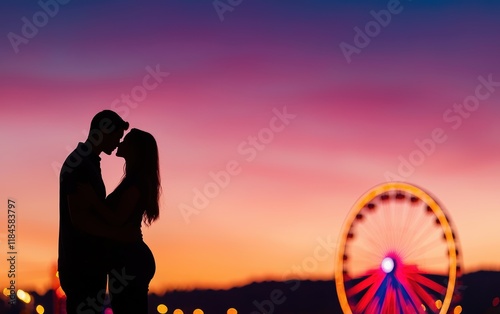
(135, 200)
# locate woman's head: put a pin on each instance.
(140, 151)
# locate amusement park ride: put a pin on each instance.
(398, 253)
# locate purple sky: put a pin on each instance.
(354, 122)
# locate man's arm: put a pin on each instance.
(83, 219)
(124, 207)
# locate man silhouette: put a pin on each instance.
(82, 262)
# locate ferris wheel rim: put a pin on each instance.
(437, 210)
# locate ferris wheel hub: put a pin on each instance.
(387, 265)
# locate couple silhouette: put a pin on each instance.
(100, 238)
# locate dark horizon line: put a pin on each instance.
(165, 291)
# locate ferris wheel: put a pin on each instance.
(397, 253)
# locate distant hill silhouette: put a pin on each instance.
(480, 288)
(274, 297)
(312, 297)
(300, 297)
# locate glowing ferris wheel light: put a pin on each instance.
(387, 265)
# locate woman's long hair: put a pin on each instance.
(144, 166)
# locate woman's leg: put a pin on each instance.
(139, 267)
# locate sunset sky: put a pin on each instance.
(265, 89)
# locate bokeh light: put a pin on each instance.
(197, 311)
(457, 310)
(439, 304)
(40, 309)
(232, 311)
(23, 296)
(108, 311)
(496, 302)
(162, 309)
(178, 311)
(60, 292)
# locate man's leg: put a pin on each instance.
(85, 290)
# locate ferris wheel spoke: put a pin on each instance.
(372, 237)
(386, 228)
(410, 230)
(424, 296)
(375, 232)
(367, 252)
(426, 282)
(364, 284)
(422, 249)
(389, 304)
(417, 230)
(373, 306)
(381, 226)
(401, 216)
(425, 260)
(406, 287)
(365, 263)
(423, 235)
(406, 303)
(407, 227)
(401, 303)
(369, 295)
(386, 214)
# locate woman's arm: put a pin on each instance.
(124, 208)
(89, 223)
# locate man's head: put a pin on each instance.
(106, 130)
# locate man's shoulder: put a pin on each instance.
(76, 163)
